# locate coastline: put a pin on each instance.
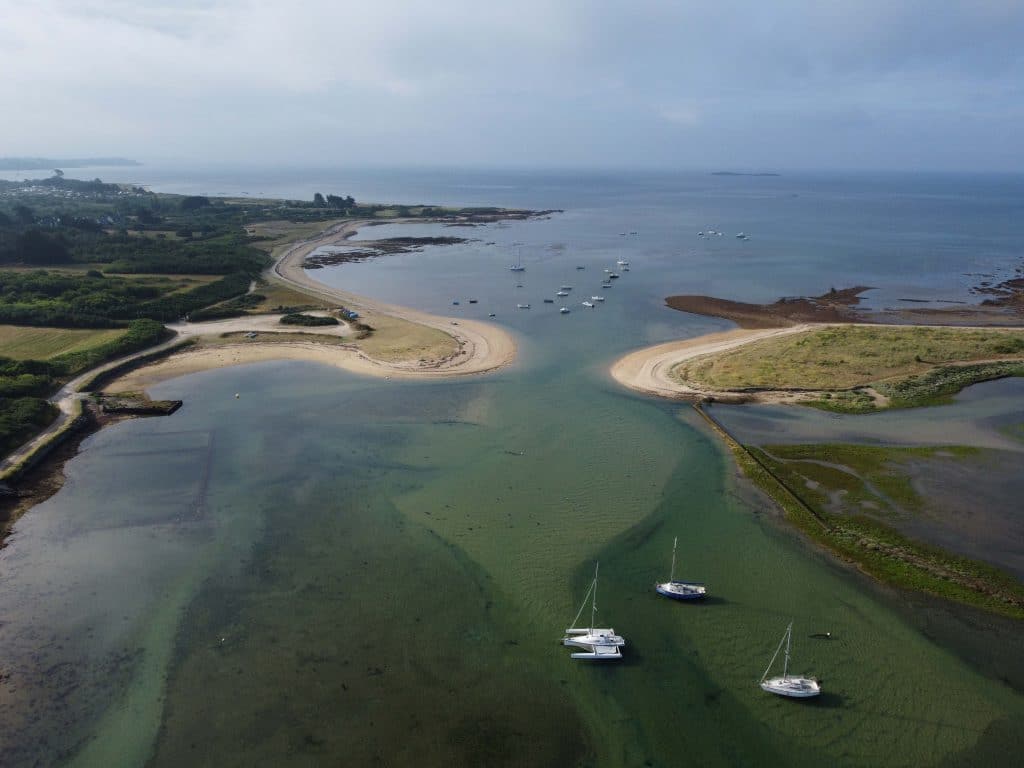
(478, 347)
(649, 370)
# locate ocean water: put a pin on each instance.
(332, 569)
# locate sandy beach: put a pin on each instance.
(477, 347)
(649, 370)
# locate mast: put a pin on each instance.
(593, 604)
(672, 573)
(789, 637)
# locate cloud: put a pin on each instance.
(538, 81)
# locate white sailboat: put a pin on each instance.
(791, 686)
(680, 590)
(518, 266)
(596, 644)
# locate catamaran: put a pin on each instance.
(791, 686)
(597, 644)
(680, 590)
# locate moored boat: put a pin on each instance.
(790, 686)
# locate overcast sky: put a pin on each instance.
(758, 84)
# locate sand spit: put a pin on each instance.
(649, 370)
(478, 347)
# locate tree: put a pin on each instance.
(194, 202)
(24, 214)
(34, 247)
(318, 200)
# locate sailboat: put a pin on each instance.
(596, 644)
(680, 590)
(518, 266)
(791, 686)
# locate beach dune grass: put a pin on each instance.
(848, 356)
(30, 343)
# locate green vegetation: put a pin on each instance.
(879, 550)
(20, 343)
(309, 320)
(74, 300)
(938, 385)
(25, 384)
(22, 417)
(910, 366)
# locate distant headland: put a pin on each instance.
(35, 163)
(741, 173)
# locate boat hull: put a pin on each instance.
(792, 687)
(681, 590)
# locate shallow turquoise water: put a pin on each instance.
(338, 569)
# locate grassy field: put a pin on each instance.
(276, 297)
(23, 343)
(842, 357)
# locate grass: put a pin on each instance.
(395, 340)
(278, 298)
(845, 357)
(25, 343)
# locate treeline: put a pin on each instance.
(80, 240)
(91, 300)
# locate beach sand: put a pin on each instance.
(649, 370)
(406, 343)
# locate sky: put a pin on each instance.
(690, 84)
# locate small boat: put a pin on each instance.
(622, 263)
(562, 293)
(580, 266)
(613, 276)
(680, 590)
(625, 269)
(455, 303)
(596, 644)
(522, 306)
(597, 298)
(588, 304)
(549, 301)
(606, 285)
(790, 686)
(566, 288)
(491, 314)
(472, 301)
(564, 310)
(741, 236)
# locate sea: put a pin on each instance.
(331, 569)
